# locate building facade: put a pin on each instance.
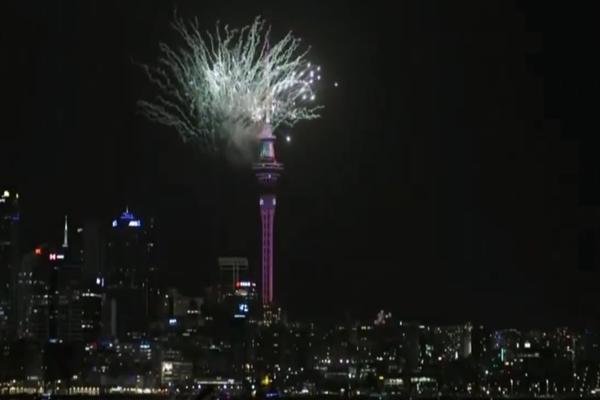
(132, 295)
(9, 261)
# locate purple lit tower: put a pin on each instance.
(267, 171)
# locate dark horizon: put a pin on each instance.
(452, 177)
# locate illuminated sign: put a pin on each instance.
(132, 224)
(54, 257)
(127, 216)
(167, 367)
(243, 284)
(242, 311)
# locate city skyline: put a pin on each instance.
(90, 309)
(68, 240)
(445, 160)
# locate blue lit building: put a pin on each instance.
(245, 302)
(130, 278)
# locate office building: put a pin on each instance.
(9, 260)
(93, 242)
(22, 305)
(92, 299)
(130, 277)
(232, 270)
(55, 307)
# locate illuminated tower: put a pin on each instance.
(267, 171)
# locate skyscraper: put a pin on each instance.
(91, 305)
(93, 243)
(54, 308)
(38, 313)
(130, 276)
(232, 270)
(69, 310)
(21, 309)
(85, 248)
(9, 259)
(267, 171)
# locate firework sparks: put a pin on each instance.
(229, 82)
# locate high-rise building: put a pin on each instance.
(81, 276)
(89, 241)
(93, 243)
(231, 271)
(9, 259)
(181, 310)
(69, 311)
(267, 171)
(92, 297)
(38, 318)
(130, 277)
(245, 301)
(55, 312)
(22, 305)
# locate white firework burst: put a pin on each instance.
(231, 81)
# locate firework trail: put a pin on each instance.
(226, 84)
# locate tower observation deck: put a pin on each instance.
(267, 171)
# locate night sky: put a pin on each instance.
(450, 178)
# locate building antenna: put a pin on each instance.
(66, 234)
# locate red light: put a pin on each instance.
(237, 284)
(38, 251)
(52, 257)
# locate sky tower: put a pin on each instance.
(267, 171)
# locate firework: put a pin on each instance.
(229, 82)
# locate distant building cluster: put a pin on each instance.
(90, 315)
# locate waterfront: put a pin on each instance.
(316, 397)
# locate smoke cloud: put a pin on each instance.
(241, 143)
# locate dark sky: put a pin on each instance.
(448, 179)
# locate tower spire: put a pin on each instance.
(66, 233)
